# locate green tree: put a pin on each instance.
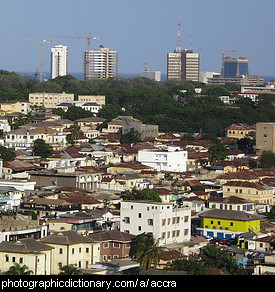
(191, 267)
(212, 256)
(147, 252)
(145, 194)
(132, 137)
(69, 270)
(75, 132)
(16, 269)
(7, 154)
(41, 148)
(267, 159)
(217, 153)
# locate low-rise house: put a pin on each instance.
(82, 178)
(91, 107)
(10, 198)
(227, 224)
(255, 191)
(232, 203)
(17, 169)
(128, 167)
(36, 255)
(239, 131)
(265, 244)
(16, 227)
(114, 244)
(71, 248)
(237, 176)
(129, 179)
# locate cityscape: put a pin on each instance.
(168, 172)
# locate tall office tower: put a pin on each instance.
(59, 62)
(100, 63)
(183, 64)
(233, 67)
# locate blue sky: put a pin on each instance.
(140, 30)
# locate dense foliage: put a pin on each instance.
(162, 103)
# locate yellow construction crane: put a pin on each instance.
(41, 51)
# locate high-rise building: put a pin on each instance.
(59, 61)
(233, 67)
(183, 65)
(151, 74)
(100, 63)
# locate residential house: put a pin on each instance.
(18, 169)
(91, 107)
(82, 178)
(44, 207)
(237, 176)
(10, 198)
(129, 179)
(99, 99)
(167, 223)
(10, 106)
(232, 203)
(14, 228)
(227, 224)
(114, 244)
(239, 131)
(49, 100)
(4, 125)
(265, 244)
(71, 248)
(128, 167)
(36, 255)
(254, 191)
(124, 124)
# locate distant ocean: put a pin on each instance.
(79, 76)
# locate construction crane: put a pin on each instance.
(41, 51)
(223, 52)
(88, 38)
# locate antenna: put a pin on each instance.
(178, 49)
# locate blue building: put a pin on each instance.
(233, 67)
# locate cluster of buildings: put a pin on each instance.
(70, 207)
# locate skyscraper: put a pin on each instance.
(233, 67)
(100, 63)
(183, 64)
(59, 61)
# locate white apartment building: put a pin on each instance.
(173, 159)
(59, 61)
(167, 223)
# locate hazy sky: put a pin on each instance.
(140, 30)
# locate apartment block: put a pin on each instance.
(49, 100)
(167, 223)
(173, 159)
(265, 137)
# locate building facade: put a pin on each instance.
(183, 65)
(173, 159)
(265, 137)
(49, 100)
(167, 223)
(59, 61)
(233, 67)
(100, 63)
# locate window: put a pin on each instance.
(150, 222)
(139, 215)
(61, 251)
(116, 244)
(105, 244)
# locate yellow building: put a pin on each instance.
(9, 107)
(71, 248)
(254, 191)
(49, 100)
(239, 131)
(227, 224)
(35, 255)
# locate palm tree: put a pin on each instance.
(147, 251)
(69, 270)
(212, 256)
(75, 132)
(16, 269)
